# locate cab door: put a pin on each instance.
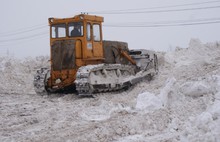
(97, 40)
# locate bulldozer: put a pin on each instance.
(82, 61)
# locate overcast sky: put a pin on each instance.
(24, 31)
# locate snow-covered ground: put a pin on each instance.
(182, 103)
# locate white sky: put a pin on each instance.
(18, 17)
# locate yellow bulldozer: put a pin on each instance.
(81, 60)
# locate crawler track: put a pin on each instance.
(104, 78)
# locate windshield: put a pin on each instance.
(75, 29)
(58, 31)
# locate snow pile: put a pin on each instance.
(195, 53)
(149, 102)
(182, 103)
(206, 126)
(192, 89)
(17, 75)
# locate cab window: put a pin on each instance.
(75, 29)
(88, 34)
(58, 31)
(96, 32)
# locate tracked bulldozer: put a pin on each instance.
(81, 60)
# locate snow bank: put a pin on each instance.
(182, 103)
(190, 94)
(206, 126)
(196, 52)
(17, 75)
(149, 102)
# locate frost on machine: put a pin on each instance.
(81, 60)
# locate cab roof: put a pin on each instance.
(80, 17)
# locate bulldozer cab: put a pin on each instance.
(74, 42)
(80, 35)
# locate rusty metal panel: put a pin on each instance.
(63, 54)
(111, 52)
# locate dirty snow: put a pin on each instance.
(182, 103)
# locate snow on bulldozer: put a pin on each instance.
(82, 61)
